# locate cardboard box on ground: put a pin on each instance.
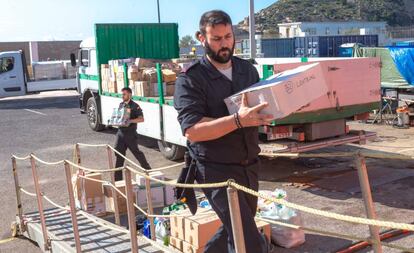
(96, 198)
(88, 194)
(161, 195)
(142, 76)
(192, 233)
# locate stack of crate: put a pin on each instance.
(142, 77)
(190, 234)
(107, 84)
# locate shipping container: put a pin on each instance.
(272, 48)
(328, 46)
(404, 43)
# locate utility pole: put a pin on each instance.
(158, 8)
(252, 30)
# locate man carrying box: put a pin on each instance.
(127, 136)
(222, 146)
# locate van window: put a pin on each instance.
(6, 64)
(84, 58)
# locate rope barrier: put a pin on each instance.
(341, 217)
(93, 170)
(167, 167)
(21, 158)
(326, 214)
(46, 163)
(27, 192)
(180, 185)
(103, 224)
(91, 145)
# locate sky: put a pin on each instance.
(38, 20)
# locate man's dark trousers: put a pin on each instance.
(222, 241)
(124, 140)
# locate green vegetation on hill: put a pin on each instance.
(394, 12)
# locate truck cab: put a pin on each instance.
(87, 82)
(12, 77)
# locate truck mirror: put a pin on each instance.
(73, 60)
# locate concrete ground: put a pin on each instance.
(49, 123)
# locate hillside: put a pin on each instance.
(394, 12)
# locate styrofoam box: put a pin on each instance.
(285, 93)
(156, 174)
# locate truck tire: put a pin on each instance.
(170, 151)
(93, 115)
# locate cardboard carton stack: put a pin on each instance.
(190, 234)
(142, 77)
(107, 84)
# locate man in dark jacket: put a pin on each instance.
(223, 146)
(127, 136)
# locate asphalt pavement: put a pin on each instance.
(49, 124)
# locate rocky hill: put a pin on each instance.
(394, 12)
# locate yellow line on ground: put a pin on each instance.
(7, 240)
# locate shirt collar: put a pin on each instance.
(214, 73)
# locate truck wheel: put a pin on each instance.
(171, 151)
(93, 115)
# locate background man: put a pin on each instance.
(127, 137)
(223, 146)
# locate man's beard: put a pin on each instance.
(216, 56)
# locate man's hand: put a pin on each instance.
(250, 116)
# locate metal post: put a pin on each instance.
(236, 222)
(252, 30)
(39, 203)
(368, 202)
(114, 192)
(18, 197)
(158, 9)
(72, 208)
(77, 150)
(131, 210)
(150, 210)
(80, 181)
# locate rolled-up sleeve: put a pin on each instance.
(189, 101)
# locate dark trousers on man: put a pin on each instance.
(222, 241)
(124, 141)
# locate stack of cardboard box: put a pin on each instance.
(107, 84)
(190, 234)
(142, 77)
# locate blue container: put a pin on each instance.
(273, 48)
(346, 51)
(328, 46)
(404, 43)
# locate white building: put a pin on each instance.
(330, 28)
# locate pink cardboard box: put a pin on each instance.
(285, 93)
(350, 81)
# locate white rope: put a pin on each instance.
(46, 163)
(93, 170)
(27, 192)
(21, 158)
(91, 145)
